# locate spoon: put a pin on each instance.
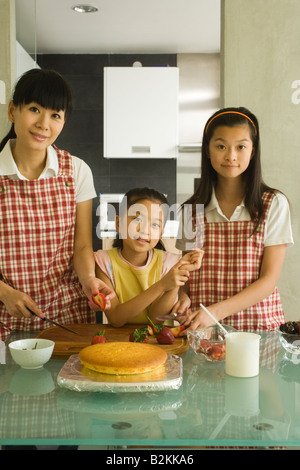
(211, 316)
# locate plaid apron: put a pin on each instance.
(231, 262)
(37, 225)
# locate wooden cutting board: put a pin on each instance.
(67, 343)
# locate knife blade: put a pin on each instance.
(169, 316)
(54, 322)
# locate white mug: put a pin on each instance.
(242, 354)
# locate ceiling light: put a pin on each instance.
(84, 8)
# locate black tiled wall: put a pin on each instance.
(83, 134)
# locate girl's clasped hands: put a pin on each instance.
(179, 273)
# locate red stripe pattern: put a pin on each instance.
(232, 261)
(37, 225)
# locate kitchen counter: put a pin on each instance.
(209, 409)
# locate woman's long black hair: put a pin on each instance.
(138, 194)
(254, 184)
(44, 87)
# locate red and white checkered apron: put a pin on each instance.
(37, 224)
(231, 262)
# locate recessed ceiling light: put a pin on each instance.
(84, 8)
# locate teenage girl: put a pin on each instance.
(247, 228)
(145, 278)
(45, 212)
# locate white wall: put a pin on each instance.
(8, 58)
(260, 63)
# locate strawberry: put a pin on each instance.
(150, 330)
(213, 352)
(204, 346)
(216, 353)
(176, 330)
(99, 299)
(165, 336)
(99, 338)
(138, 336)
(155, 328)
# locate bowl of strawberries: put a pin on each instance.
(289, 336)
(209, 342)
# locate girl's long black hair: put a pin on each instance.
(254, 184)
(44, 87)
(138, 194)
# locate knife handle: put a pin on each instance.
(35, 314)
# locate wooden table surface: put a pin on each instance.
(67, 343)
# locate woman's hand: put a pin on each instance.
(199, 319)
(92, 286)
(182, 305)
(17, 303)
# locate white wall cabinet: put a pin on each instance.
(24, 61)
(141, 112)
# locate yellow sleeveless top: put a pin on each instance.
(131, 281)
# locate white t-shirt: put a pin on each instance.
(278, 230)
(83, 178)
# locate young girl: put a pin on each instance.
(145, 279)
(246, 230)
(45, 212)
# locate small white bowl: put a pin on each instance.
(31, 353)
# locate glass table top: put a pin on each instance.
(209, 409)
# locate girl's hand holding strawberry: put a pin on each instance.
(95, 286)
(189, 262)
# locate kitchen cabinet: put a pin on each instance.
(24, 61)
(141, 112)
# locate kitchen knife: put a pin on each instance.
(170, 316)
(53, 322)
